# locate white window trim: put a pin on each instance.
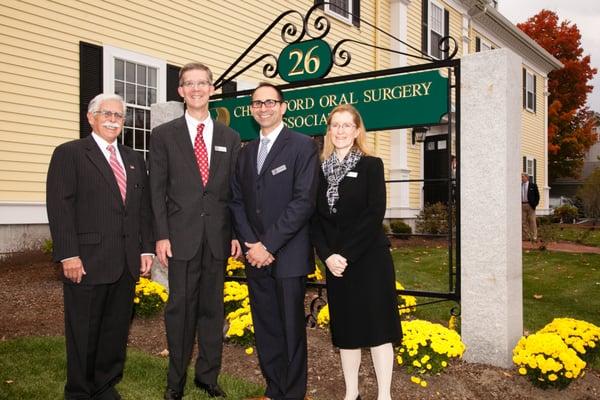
(529, 107)
(110, 53)
(330, 10)
(483, 42)
(429, 25)
(529, 163)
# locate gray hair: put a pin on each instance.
(101, 98)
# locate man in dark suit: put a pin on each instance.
(274, 191)
(192, 159)
(530, 198)
(99, 212)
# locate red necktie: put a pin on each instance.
(201, 154)
(117, 170)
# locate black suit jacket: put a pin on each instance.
(355, 223)
(533, 195)
(182, 206)
(87, 215)
(275, 207)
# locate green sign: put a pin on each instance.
(389, 102)
(305, 60)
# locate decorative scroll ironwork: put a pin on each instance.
(318, 29)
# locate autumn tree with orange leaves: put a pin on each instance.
(570, 122)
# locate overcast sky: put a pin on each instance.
(584, 13)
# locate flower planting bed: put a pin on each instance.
(31, 304)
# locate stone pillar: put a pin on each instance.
(491, 292)
(159, 114)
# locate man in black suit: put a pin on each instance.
(192, 159)
(274, 191)
(530, 198)
(99, 212)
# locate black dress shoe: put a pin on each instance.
(171, 394)
(212, 390)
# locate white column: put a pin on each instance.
(491, 292)
(398, 206)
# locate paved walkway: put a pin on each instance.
(567, 247)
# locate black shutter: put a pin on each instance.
(173, 83)
(229, 87)
(446, 30)
(477, 44)
(90, 81)
(534, 92)
(534, 171)
(525, 164)
(524, 88)
(424, 26)
(356, 13)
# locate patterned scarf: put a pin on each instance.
(335, 171)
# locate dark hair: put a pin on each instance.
(192, 66)
(267, 84)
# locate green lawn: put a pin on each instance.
(570, 233)
(34, 368)
(554, 284)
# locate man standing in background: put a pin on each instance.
(530, 198)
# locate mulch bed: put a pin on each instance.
(31, 305)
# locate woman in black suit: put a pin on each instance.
(348, 236)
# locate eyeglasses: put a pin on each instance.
(269, 103)
(344, 126)
(109, 114)
(197, 84)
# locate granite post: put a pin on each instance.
(491, 291)
(159, 114)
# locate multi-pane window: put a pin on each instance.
(529, 92)
(436, 29)
(137, 84)
(340, 8)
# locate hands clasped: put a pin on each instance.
(337, 264)
(258, 255)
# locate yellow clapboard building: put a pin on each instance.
(56, 55)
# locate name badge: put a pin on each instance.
(279, 169)
(352, 174)
(222, 149)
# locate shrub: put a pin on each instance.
(433, 219)
(235, 267)
(589, 193)
(547, 361)
(566, 213)
(427, 348)
(150, 297)
(240, 329)
(47, 246)
(316, 276)
(406, 304)
(400, 227)
(581, 336)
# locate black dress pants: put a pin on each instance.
(97, 319)
(280, 330)
(195, 309)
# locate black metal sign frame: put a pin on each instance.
(318, 28)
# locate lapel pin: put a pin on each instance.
(131, 167)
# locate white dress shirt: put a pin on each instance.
(207, 133)
(103, 144)
(271, 136)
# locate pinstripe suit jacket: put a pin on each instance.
(87, 215)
